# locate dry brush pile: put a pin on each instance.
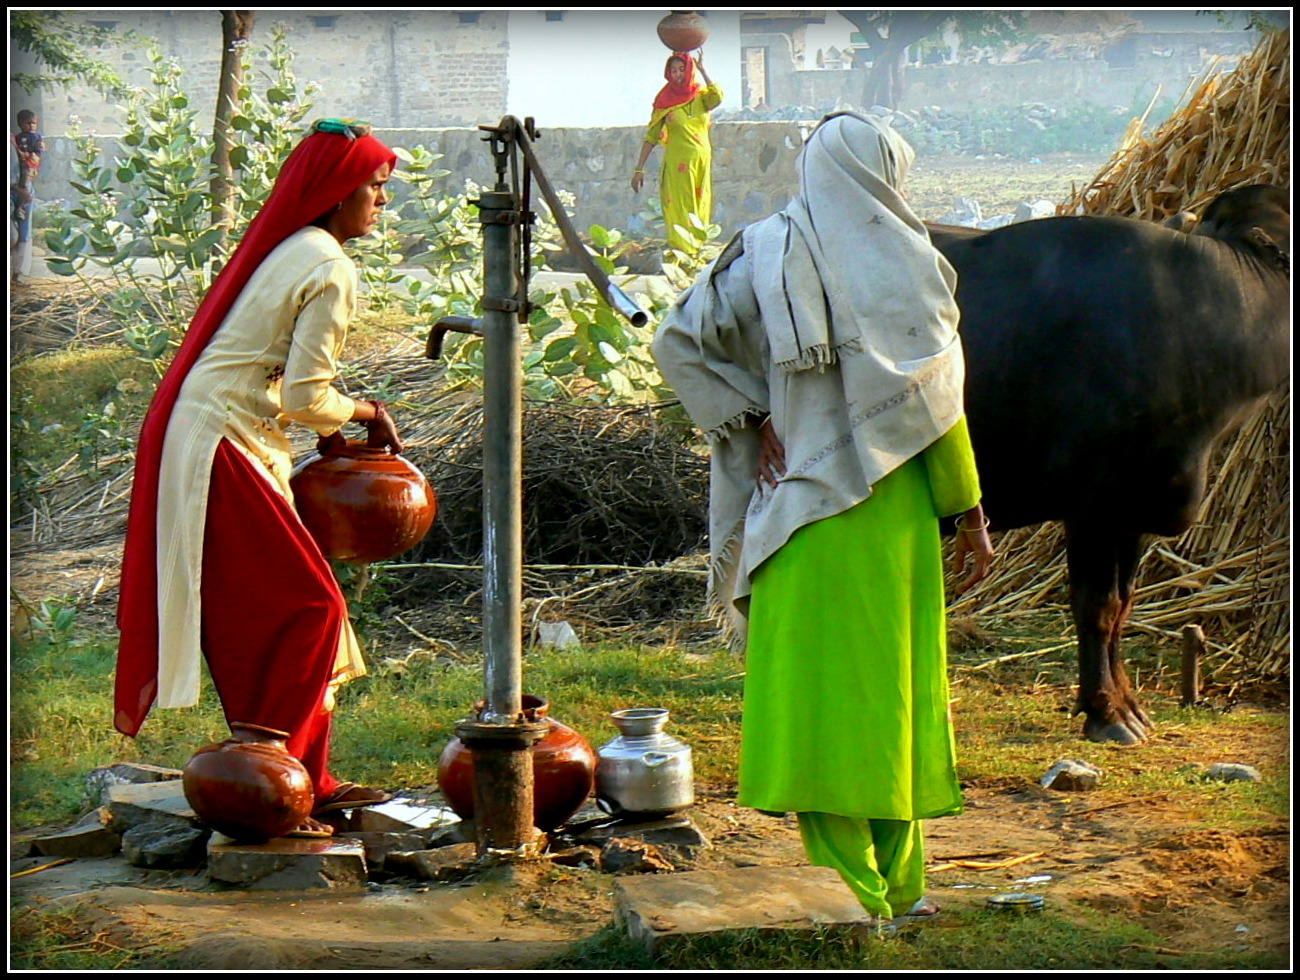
(1230, 573)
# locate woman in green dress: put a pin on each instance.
(680, 122)
(820, 356)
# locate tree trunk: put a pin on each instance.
(236, 30)
(884, 81)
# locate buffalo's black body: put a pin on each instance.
(1105, 357)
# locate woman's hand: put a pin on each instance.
(972, 542)
(771, 453)
(638, 180)
(381, 429)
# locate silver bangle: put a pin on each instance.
(982, 527)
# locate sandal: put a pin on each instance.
(312, 829)
(924, 909)
(349, 796)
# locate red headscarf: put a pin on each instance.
(322, 171)
(674, 94)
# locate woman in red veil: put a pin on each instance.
(217, 564)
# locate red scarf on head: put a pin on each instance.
(322, 171)
(673, 94)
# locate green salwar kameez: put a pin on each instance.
(846, 691)
(686, 175)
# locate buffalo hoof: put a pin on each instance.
(1125, 733)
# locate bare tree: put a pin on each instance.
(888, 34)
(236, 32)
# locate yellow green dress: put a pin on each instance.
(685, 179)
(846, 691)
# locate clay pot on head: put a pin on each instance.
(564, 770)
(248, 787)
(683, 30)
(361, 503)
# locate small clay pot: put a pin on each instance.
(564, 770)
(683, 30)
(248, 787)
(362, 503)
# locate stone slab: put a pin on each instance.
(100, 779)
(90, 836)
(287, 864)
(660, 909)
(401, 815)
(133, 804)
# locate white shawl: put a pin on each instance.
(839, 321)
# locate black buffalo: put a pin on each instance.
(1105, 357)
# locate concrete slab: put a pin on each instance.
(287, 864)
(661, 909)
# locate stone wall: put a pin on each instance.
(753, 167)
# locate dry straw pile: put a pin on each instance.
(1231, 572)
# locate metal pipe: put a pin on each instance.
(614, 296)
(502, 465)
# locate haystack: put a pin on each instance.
(1230, 573)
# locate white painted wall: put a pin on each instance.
(603, 67)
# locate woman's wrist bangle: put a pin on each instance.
(983, 526)
(638, 171)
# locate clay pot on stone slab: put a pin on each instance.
(362, 503)
(683, 30)
(564, 770)
(248, 787)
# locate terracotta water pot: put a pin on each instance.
(362, 503)
(564, 770)
(248, 787)
(683, 30)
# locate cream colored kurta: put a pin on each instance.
(273, 361)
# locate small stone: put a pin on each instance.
(378, 844)
(287, 864)
(165, 845)
(1071, 776)
(99, 780)
(90, 836)
(1033, 210)
(439, 864)
(1232, 772)
(582, 856)
(623, 854)
(678, 830)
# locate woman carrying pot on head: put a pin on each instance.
(680, 122)
(217, 564)
(820, 355)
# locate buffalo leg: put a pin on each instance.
(1129, 553)
(1102, 565)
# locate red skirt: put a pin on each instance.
(272, 612)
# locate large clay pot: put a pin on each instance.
(564, 770)
(248, 787)
(361, 503)
(683, 30)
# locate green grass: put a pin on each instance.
(963, 940)
(390, 727)
(62, 939)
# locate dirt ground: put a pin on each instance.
(1198, 890)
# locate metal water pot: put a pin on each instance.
(644, 772)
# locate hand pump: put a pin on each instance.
(499, 736)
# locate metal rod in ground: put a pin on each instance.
(1193, 649)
